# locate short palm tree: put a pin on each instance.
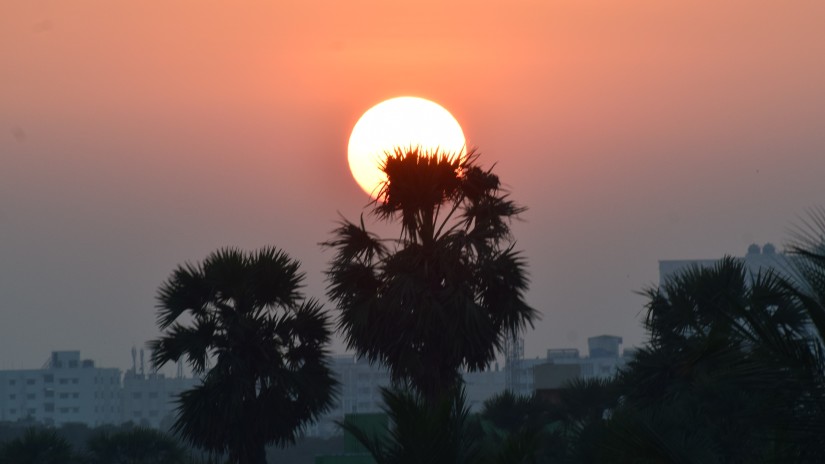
(443, 295)
(422, 431)
(241, 322)
(727, 371)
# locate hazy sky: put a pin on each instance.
(136, 135)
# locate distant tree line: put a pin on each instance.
(25, 442)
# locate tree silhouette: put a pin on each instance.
(444, 294)
(421, 432)
(38, 446)
(136, 446)
(240, 321)
(729, 374)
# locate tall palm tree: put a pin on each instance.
(241, 322)
(443, 295)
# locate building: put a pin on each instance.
(757, 259)
(564, 365)
(150, 399)
(483, 385)
(66, 389)
(360, 391)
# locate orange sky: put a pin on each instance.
(137, 135)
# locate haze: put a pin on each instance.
(136, 136)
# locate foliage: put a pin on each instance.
(260, 348)
(37, 446)
(729, 374)
(136, 446)
(422, 431)
(445, 293)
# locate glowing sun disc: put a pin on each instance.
(399, 122)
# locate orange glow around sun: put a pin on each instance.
(399, 122)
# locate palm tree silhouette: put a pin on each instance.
(729, 374)
(444, 294)
(243, 315)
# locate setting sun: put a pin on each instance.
(399, 122)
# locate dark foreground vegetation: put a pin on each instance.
(29, 443)
(733, 371)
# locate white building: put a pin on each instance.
(755, 260)
(481, 386)
(149, 399)
(360, 391)
(66, 389)
(604, 360)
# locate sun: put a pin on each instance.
(399, 122)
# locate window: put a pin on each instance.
(153, 414)
(12, 396)
(153, 394)
(63, 381)
(29, 381)
(136, 395)
(48, 378)
(30, 396)
(49, 393)
(72, 363)
(75, 409)
(74, 381)
(75, 395)
(64, 395)
(137, 414)
(30, 411)
(64, 410)
(12, 382)
(12, 411)
(48, 407)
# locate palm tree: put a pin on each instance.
(241, 322)
(726, 377)
(443, 295)
(422, 431)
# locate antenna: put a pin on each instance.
(134, 360)
(513, 354)
(141, 362)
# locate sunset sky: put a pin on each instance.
(137, 135)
